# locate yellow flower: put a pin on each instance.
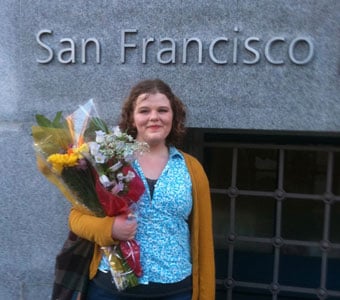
(83, 148)
(69, 159)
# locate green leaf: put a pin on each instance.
(43, 121)
(58, 121)
(99, 124)
(95, 125)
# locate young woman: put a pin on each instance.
(174, 222)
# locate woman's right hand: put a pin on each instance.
(124, 229)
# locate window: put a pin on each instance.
(276, 214)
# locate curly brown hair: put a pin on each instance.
(153, 86)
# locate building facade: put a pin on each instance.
(261, 81)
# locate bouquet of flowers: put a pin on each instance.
(91, 166)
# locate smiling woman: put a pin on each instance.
(173, 225)
(153, 118)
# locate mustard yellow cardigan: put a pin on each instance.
(98, 230)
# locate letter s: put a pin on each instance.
(252, 51)
(49, 50)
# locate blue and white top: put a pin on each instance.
(163, 229)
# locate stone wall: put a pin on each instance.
(238, 64)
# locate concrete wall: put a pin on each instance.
(265, 65)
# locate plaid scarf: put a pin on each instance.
(72, 268)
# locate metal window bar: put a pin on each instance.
(277, 241)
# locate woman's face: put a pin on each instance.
(152, 117)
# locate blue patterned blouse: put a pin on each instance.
(163, 231)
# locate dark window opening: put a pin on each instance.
(276, 212)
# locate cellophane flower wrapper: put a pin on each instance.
(65, 158)
(79, 189)
(117, 184)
